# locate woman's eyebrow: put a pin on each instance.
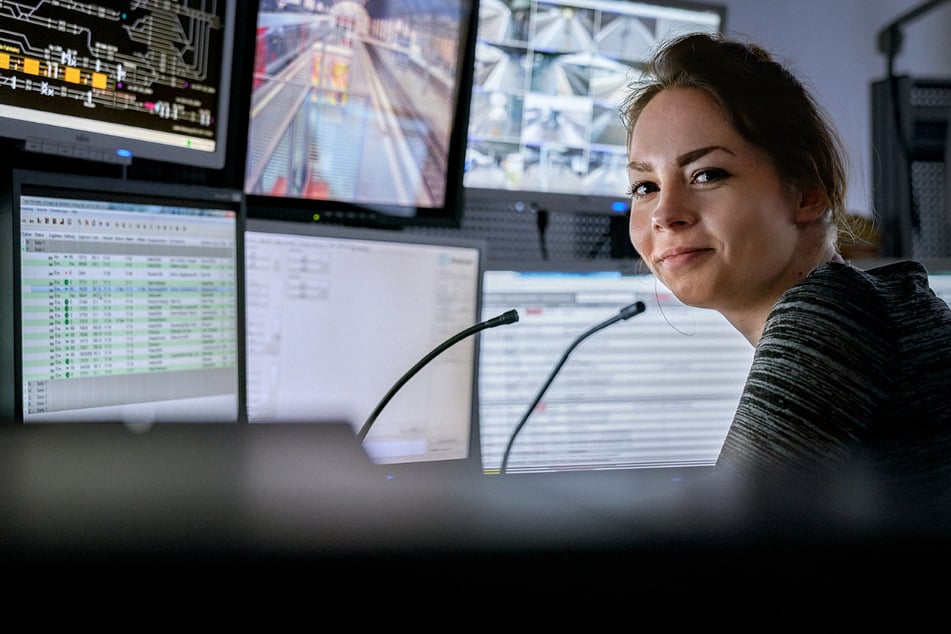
(689, 157)
(684, 159)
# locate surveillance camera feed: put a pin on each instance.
(549, 77)
(356, 102)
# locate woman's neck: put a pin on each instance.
(750, 320)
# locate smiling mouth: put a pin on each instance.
(682, 255)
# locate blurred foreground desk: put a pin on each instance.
(187, 514)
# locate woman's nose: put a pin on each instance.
(672, 210)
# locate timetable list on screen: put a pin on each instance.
(126, 304)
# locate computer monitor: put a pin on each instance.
(544, 125)
(358, 111)
(124, 300)
(655, 391)
(336, 316)
(939, 273)
(939, 277)
(147, 80)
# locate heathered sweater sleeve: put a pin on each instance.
(819, 376)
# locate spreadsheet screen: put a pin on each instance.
(656, 390)
(128, 306)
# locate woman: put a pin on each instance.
(738, 192)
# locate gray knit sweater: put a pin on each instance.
(853, 371)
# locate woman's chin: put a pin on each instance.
(691, 295)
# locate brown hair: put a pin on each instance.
(763, 101)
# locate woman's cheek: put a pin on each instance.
(639, 236)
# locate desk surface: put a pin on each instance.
(231, 506)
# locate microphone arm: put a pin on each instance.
(507, 317)
(625, 313)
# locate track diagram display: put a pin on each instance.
(150, 70)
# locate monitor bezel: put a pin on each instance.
(75, 138)
(533, 200)
(360, 214)
(11, 402)
(471, 463)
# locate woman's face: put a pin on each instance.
(709, 213)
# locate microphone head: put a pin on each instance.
(508, 317)
(634, 309)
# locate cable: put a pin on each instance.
(541, 221)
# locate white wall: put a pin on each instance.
(833, 46)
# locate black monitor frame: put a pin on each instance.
(174, 111)
(356, 212)
(101, 188)
(401, 383)
(507, 152)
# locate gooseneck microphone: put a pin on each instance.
(625, 313)
(507, 317)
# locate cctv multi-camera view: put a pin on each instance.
(548, 81)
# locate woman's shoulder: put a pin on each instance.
(893, 295)
(900, 280)
(835, 288)
(900, 276)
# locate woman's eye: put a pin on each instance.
(641, 188)
(710, 175)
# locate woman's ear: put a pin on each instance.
(812, 206)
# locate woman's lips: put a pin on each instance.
(683, 256)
